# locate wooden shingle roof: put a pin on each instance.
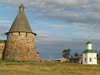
(21, 23)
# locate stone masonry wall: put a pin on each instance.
(2, 45)
(20, 46)
(38, 59)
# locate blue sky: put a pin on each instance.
(60, 24)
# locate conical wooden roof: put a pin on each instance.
(21, 23)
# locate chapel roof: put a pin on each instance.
(89, 51)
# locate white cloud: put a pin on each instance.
(3, 30)
(64, 10)
(42, 32)
(5, 21)
(52, 24)
(43, 35)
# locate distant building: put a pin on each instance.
(62, 60)
(89, 56)
(38, 59)
(76, 59)
(20, 43)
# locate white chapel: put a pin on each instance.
(89, 56)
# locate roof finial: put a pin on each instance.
(88, 38)
(21, 8)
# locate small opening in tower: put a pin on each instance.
(28, 50)
(26, 34)
(19, 33)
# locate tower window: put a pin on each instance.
(90, 59)
(26, 34)
(85, 59)
(19, 33)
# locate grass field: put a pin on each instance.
(32, 68)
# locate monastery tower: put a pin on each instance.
(20, 44)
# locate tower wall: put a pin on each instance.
(2, 45)
(20, 46)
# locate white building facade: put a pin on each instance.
(89, 56)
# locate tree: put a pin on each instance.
(95, 51)
(81, 54)
(97, 54)
(71, 56)
(76, 54)
(66, 53)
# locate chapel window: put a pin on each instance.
(90, 59)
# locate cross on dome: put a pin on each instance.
(88, 38)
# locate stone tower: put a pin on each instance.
(20, 44)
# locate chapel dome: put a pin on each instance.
(88, 42)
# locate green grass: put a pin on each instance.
(7, 61)
(37, 68)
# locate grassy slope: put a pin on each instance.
(48, 69)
